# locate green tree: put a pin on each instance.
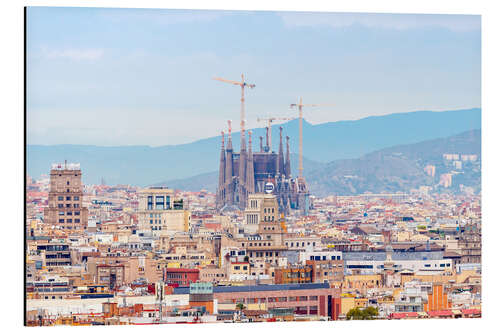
(368, 313)
(240, 306)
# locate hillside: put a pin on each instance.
(144, 165)
(400, 168)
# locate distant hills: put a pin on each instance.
(323, 143)
(393, 169)
(400, 168)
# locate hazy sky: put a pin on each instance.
(144, 76)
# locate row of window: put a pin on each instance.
(261, 254)
(257, 244)
(303, 244)
(69, 213)
(68, 206)
(69, 220)
(75, 198)
(161, 202)
(276, 299)
(237, 268)
(252, 219)
(324, 258)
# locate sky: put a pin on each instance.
(112, 77)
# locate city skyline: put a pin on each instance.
(147, 91)
(205, 221)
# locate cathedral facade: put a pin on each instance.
(265, 171)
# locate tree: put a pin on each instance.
(368, 313)
(240, 306)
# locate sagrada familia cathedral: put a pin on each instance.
(265, 171)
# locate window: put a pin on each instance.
(77, 220)
(76, 205)
(150, 202)
(60, 205)
(159, 204)
(61, 220)
(77, 212)
(76, 198)
(68, 205)
(69, 220)
(61, 213)
(60, 198)
(69, 213)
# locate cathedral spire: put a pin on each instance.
(287, 161)
(229, 168)
(267, 140)
(222, 171)
(222, 166)
(242, 168)
(250, 183)
(229, 139)
(281, 164)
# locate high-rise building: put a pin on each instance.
(160, 213)
(65, 208)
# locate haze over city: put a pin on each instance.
(144, 77)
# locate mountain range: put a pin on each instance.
(323, 143)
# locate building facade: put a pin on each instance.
(265, 171)
(65, 208)
(160, 213)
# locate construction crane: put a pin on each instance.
(269, 132)
(300, 106)
(242, 84)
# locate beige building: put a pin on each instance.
(261, 207)
(65, 198)
(266, 240)
(161, 213)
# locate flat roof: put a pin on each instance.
(262, 287)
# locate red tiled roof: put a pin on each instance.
(471, 311)
(401, 315)
(442, 313)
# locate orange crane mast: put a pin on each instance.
(242, 84)
(300, 105)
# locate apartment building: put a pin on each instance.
(160, 213)
(65, 209)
